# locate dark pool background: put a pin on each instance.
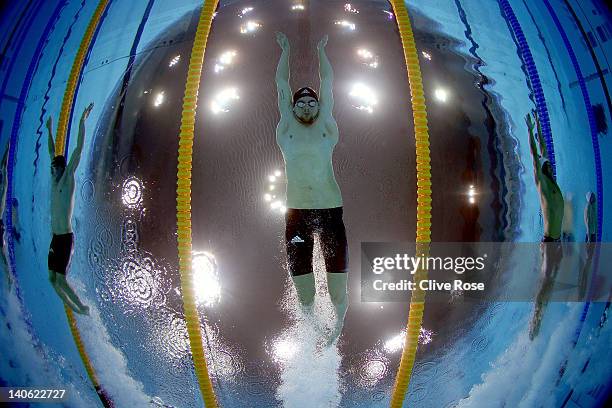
(125, 262)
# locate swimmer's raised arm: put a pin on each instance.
(5, 156)
(50, 143)
(75, 158)
(533, 149)
(326, 76)
(282, 77)
(542, 143)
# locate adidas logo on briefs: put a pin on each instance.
(296, 239)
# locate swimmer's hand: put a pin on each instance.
(84, 310)
(282, 40)
(534, 325)
(322, 43)
(87, 111)
(529, 121)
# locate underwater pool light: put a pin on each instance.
(368, 58)
(222, 101)
(364, 97)
(348, 7)
(174, 61)
(441, 94)
(245, 10)
(472, 194)
(205, 278)
(395, 343)
(347, 24)
(426, 55)
(159, 99)
(227, 57)
(365, 54)
(249, 27)
(297, 7)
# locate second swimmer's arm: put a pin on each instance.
(533, 149)
(50, 143)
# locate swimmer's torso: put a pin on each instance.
(62, 204)
(308, 151)
(551, 201)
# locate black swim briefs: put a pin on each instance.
(60, 252)
(552, 253)
(301, 225)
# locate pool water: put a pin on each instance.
(485, 65)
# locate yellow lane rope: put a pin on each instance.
(183, 201)
(423, 229)
(77, 67)
(75, 72)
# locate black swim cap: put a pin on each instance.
(305, 91)
(59, 161)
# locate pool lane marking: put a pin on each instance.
(60, 147)
(423, 210)
(534, 78)
(183, 201)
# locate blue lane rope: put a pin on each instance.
(596, 155)
(534, 79)
(14, 139)
(21, 34)
(590, 115)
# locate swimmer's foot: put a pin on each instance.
(308, 315)
(307, 310)
(84, 310)
(534, 325)
(335, 333)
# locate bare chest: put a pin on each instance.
(295, 139)
(63, 189)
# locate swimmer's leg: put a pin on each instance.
(60, 293)
(299, 243)
(67, 294)
(338, 293)
(335, 252)
(305, 287)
